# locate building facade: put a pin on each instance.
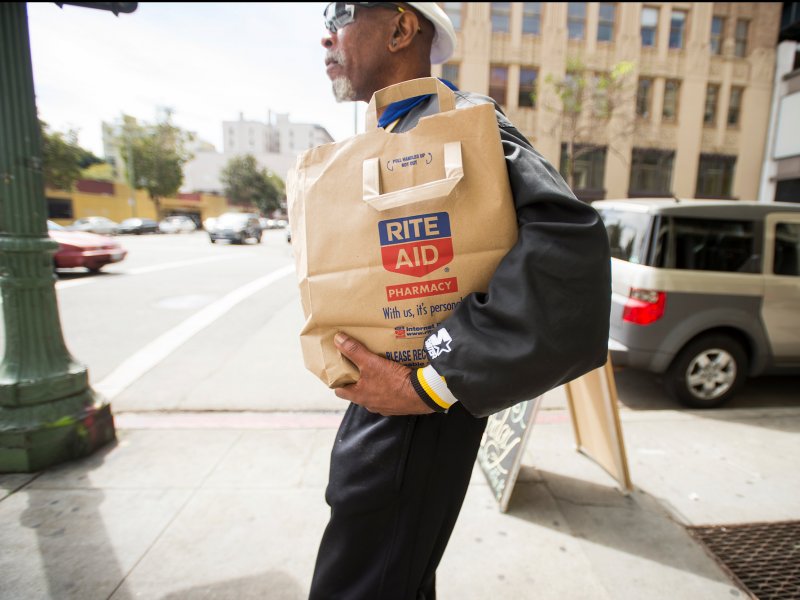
(695, 120)
(780, 178)
(275, 144)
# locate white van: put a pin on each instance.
(705, 292)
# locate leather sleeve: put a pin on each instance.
(545, 318)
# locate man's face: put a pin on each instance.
(355, 53)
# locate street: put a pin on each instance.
(185, 325)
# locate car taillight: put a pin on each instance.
(644, 306)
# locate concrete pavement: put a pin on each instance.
(230, 505)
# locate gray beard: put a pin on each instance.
(343, 90)
(342, 87)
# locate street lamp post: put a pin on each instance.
(48, 412)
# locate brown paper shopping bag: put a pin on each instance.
(391, 231)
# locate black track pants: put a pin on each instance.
(395, 490)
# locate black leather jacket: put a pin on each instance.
(545, 317)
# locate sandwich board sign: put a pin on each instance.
(592, 402)
(500, 453)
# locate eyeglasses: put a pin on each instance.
(339, 14)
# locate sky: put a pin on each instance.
(206, 61)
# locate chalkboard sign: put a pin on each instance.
(501, 448)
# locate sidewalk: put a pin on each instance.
(230, 505)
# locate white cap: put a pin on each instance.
(444, 40)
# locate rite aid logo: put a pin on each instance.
(416, 245)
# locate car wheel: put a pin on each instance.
(243, 238)
(707, 372)
(213, 240)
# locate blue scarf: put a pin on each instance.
(396, 110)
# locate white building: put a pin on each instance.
(274, 144)
(780, 176)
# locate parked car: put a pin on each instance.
(235, 227)
(177, 224)
(83, 249)
(704, 292)
(98, 225)
(138, 226)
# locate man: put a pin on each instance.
(404, 452)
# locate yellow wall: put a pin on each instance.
(122, 205)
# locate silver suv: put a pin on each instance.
(705, 292)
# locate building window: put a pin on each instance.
(453, 10)
(672, 88)
(588, 172)
(450, 73)
(787, 190)
(605, 25)
(710, 114)
(717, 31)
(677, 28)
(740, 48)
(643, 94)
(501, 16)
(651, 172)
(735, 106)
(498, 83)
(715, 176)
(531, 17)
(649, 25)
(576, 20)
(59, 208)
(527, 87)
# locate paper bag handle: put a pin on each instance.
(408, 89)
(453, 173)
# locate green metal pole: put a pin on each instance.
(48, 412)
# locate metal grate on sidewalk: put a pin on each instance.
(763, 557)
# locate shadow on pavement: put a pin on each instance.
(81, 273)
(636, 524)
(76, 558)
(640, 390)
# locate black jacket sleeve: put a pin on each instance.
(545, 317)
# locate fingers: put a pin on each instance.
(344, 393)
(352, 349)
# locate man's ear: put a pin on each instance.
(406, 27)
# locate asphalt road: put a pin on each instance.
(183, 324)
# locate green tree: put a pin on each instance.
(588, 104)
(247, 185)
(63, 159)
(154, 156)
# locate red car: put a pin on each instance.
(82, 249)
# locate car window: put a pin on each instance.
(787, 249)
(626, 233)
(231, 219)
(714, 245)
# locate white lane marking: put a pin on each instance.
(61, 285)
(157, 350)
